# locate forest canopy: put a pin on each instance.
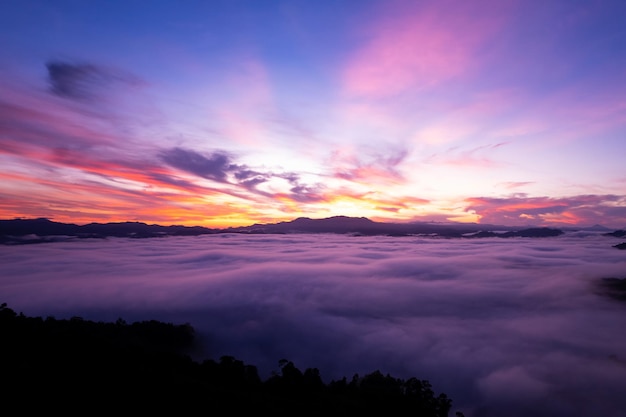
(67, 365)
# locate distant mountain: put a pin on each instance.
(336, 224)
(42, 227)
(43, 230)
(365, 226)
(595, 228)
(22, 231)
(532, 232)
(355, 225)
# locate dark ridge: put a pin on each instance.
(43, 230)
(533, 232)
(595, 228)
(365, 227)
(483, 233)
(336, 224)
(621, 246)
(78, 367)
(617, 233)
(24, 231)
(41, 226)
(137, 229)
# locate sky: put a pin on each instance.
(504, 327)
(228, 113)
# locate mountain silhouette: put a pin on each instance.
(21, 231)
(44, 230)
(365, 226)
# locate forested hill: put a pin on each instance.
(83, 367)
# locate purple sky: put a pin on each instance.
(509, 327)
(226, 113)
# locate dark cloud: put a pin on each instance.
(216, 166)
(247, 174)
(307, 194)
(219, 166)
(504, 327)
(83, 81)
(176, 182)
(250, 179)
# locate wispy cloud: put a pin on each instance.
(84, 81)
(478, 157)
(515, 184)
(522, 209)
(368, 164)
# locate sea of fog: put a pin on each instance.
(505, 327)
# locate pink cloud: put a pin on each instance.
(474, 157)
(368, 165)
(246, 99)
(581, 210)
(45, 124)
(579, 113)
(515, 184)
(420, 46)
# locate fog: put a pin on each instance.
(505, 327)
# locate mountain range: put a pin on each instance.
(43, 230)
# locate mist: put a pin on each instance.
(505, 327)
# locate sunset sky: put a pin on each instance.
(227, 113)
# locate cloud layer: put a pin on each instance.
(512, 327)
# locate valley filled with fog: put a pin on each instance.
(511, 327)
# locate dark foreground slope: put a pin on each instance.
(83, 367)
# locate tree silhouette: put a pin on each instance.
(142, 368)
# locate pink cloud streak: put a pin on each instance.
(519, 209)
(414, 50)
